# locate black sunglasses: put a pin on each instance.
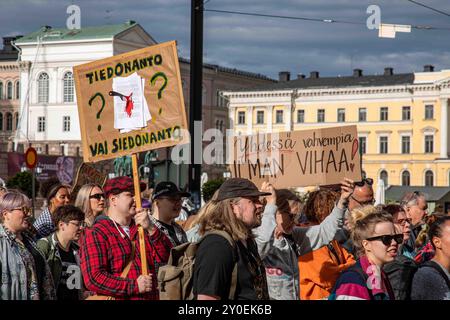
(387, 238)
(97, 196)
(368, 181)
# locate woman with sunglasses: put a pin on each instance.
(376, 243)
(91, 200)
(25, 273)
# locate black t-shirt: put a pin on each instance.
(63, 291)
(214, 265)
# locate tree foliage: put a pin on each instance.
(22, 181)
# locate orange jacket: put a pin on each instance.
(320, 269)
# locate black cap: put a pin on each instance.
(168, 188)
(238, 187)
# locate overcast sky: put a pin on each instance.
(266, 45)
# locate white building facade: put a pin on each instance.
(49, 115)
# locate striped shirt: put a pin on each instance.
(363, 281)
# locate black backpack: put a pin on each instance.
(400, 273)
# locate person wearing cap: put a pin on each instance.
(113, 242)
(280, 242)
(166, 206)
(236, 211)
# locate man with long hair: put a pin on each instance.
(236, 211)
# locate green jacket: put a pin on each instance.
(49, 248)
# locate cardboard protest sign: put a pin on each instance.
(87, 174)
(130, 103)
(298, 158)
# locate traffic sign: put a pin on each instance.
(31, 158)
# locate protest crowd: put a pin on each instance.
(247, 242)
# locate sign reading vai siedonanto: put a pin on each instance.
(130, 103)
(298, 158)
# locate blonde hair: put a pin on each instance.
(83, 201)
(201, 212)
(362, 222)
(219, 215)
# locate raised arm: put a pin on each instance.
(315, 237)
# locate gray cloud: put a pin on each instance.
(265, 45)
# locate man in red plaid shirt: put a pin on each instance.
(106, 248)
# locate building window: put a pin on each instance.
(429, 177)
(429, 144)
(362, 145)
(66, 123)
(241, 117)
(279, 116)
(300, 116)
(16, 120)
(321, 115)
(1, 90)
(383, 145)
(362, 116)
(68, 87)
(43, 88)
(221, 100)
(429, 111)
(406, 143)
(260, 117)
(9, 121)
(18, 90)
(9, 91)
(384, 177)
(341, 115)
(41, 124)
(221, 125)
(384, 114)
(406, 178)
(406, 113)
(1, 121)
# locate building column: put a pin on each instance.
(269, 118)
(231, 118)
(444, 128)
(25, 99)
(288, 111)
(250, 120)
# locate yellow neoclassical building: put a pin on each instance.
(402, 119)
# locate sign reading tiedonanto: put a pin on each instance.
(159, 70)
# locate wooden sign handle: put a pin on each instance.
(137, 197)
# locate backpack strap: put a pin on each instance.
(234, 278)
(130, 261)
(435, 266)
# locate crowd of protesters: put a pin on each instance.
(252, 242)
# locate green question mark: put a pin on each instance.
(98, 94)
(153, 81)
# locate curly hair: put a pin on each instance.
(320, 204)
(362, 222)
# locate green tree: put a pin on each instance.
(23, 182)
(210, 187)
